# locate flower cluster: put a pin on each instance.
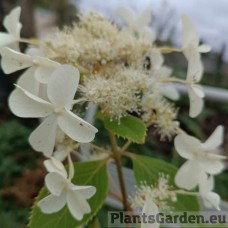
(160, 193)
(63, 192)
(202, 164)
(154, 199)
(122, 71)
(59, 83)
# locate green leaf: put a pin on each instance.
(95, 224)
(148, 169)
(129, 127)
(86, 173)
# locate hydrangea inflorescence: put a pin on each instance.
(122, 71)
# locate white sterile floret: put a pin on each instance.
(60, 91)
(194, 75)
(41, 67)
(210, 199)
(64, 192)
(13, 28)
(28, 82)
(191, 50)
(159, 72)
(191, 38)
(200, 159)
(138, 24)
(27, 79)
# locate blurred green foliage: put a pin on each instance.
(15, 157)
(15, 152)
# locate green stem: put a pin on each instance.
(29, 41)
(182, 192)
(126, 145)
(167, 50)
(78, 101)
(100, 149)
(173, 79)
(71, 167)
(117, 157)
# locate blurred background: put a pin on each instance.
(22, 171)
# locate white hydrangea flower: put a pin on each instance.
(63, 192)
(27, 80)
(210, 199)
(60, 91)
(191, 38)
(40, 66)
(191, 49)
(194, 75)
(158, 72)
(138, 24)
(13, 28)
(200, 160)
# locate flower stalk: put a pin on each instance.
(117, 157)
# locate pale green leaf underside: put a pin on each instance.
(86, 173)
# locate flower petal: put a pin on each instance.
(196, 103)
(14, 46)
(76, 128)
(13, 61)
(77, 204)
(63, 85)
(28, 81)
(186, 145)
(12, 24)
(51, 203)
(23, 106)
(204, 48)
(45, 69)
(157, 58)
(126, 14)
(34, 51)
(148, 34)
(198, 90)
(60, 154)
(34, 97)
(150, 208)
(42, 139)
(86, 191)
(215, 140)
(56, 183)
(6, 39)
(189, 32)
(188, 175)
(54, 165)
(211, 164)
(170, 91)
(211, 200)
(143, 20)
(195, 66)
(206, 184)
